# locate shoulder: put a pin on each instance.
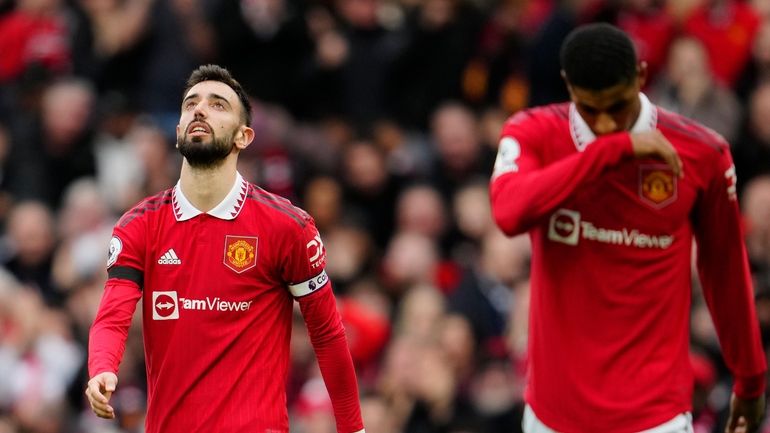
(279, 211)
(545, 113)
(691, 133)
(143, 208)
(536, 120)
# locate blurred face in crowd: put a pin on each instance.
(612, 109)
(761, 6)
(31, 229)
(457, 138)
(687, 59)
(66, 109)
(359, 13)
(210, 126)
(365, 167)
(420, 209)
(761, 48)
(410, 258)
(755, 204)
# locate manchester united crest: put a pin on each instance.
(240, 252)
(657, 185)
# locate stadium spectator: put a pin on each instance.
(277, 40)
(756, 210)
(439, 37)
(752, 149)
(420, 209)
(757, 71)
(30, 243)
(409, 260)
(370, 190)
(461, 158)
(34, 35)
(107, 43)
(687, 87)
(58, 141)
(727, 29)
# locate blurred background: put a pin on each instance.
(381, 118)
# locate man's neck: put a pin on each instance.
(206, 188)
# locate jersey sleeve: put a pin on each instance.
(525, 188)
(303, 270)
(307, 280)
(724, 273)
(122, 291)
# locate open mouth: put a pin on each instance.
(198, 129)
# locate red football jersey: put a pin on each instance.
(611, 249)
(217, 292)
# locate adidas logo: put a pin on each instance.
(169, 258)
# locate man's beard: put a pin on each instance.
(202, 155)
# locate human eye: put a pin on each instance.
(218, 105)
(591, 111)
(188, 105)
(617, 108)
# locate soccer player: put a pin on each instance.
(612, 190)
(217, 263)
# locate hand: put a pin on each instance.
(99, 391)
(652, 144)
(745, 414)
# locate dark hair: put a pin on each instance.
(598, 56)
(218, 73)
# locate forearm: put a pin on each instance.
(521, 198)
(107, 338)
(327, 336)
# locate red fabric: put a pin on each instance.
(367, 331)
(216, 333)
(610, 294)
(652, 34)
(448, 276)
(26, 39)
(107, 339)
(728, 37)
(327, 335)
(703, 370)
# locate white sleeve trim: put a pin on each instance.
(307, 287)
(360, 431)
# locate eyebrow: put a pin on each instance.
(210, 95)
(614, 107)
(588, 108)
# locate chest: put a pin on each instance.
(211, 260)
(639, 194)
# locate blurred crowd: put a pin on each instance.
(381, 118)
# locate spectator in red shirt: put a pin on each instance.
(727, 29)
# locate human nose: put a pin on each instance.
(200, 110)
(604, 124)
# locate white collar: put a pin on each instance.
(227, 209)
(582, 135)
